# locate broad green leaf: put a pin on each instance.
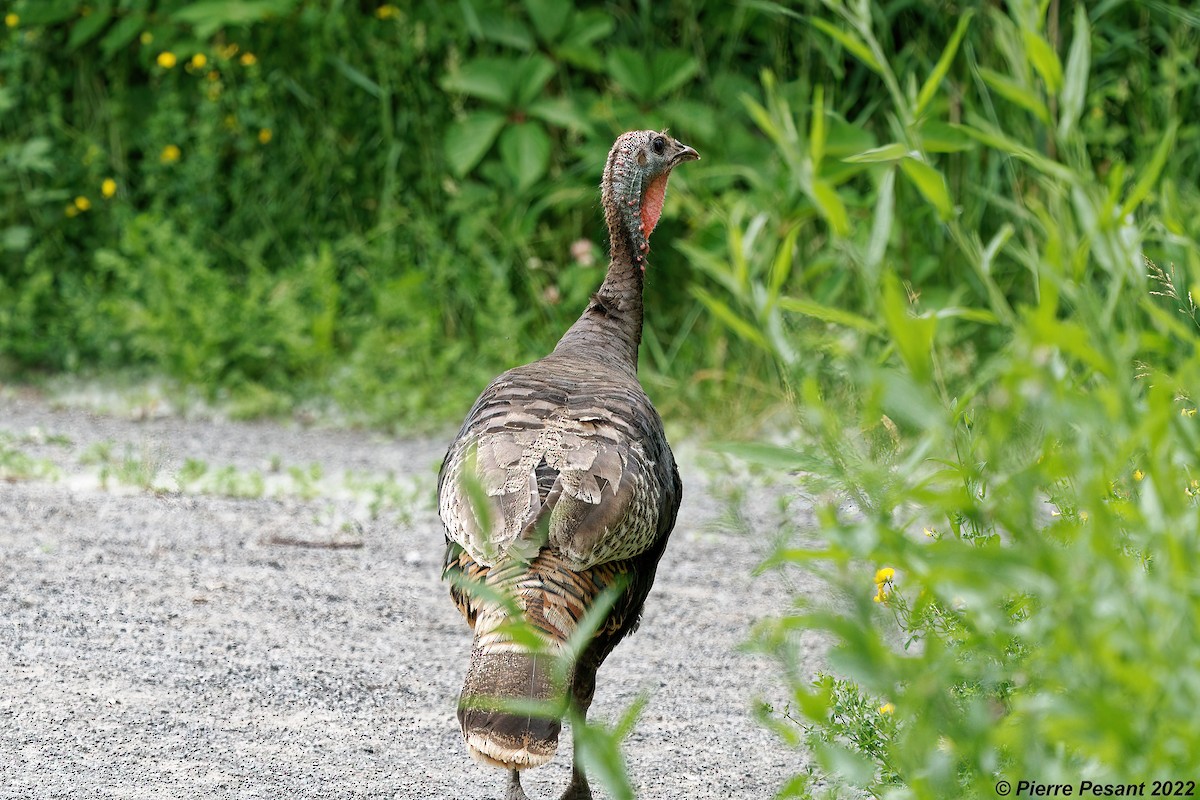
(1044, 60)
(912, 336)
(848, 41)
(589, 26)
(121, 34)
(525, 150)
(493, 79)
(560, 111)
(942, 137)
(48, 12)
(469, 139)
(532, 77)
(830, 206)
(1149, 174)
(1075, 82)
(930, 184)
(631, 72)
(1015, 93)
(549, 17)
(942, 67)
(210, 16)
(888, 152)
(87, 28)
(671, 69)
(836, 316)
(508, 30)
(881, 227)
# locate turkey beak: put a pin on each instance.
(684, 153)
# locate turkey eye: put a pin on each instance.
(660, 146)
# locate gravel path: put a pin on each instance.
(297, 642)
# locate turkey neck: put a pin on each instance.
(610, 328)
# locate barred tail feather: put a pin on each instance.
(510, 706)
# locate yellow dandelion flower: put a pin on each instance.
(71, 210)
(170, 154)
(264, 135)
(108, 188)
(1138, 474)
(82, 203)
(146, 38)
(199, 60)
(248, 60)
(166, 59)
(11, 20)
(884, 575)
(887, 708)
(386, 12)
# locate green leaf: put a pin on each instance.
(913, 336)
(930, 184)
(816, 134)
(836, 316)
(942, 137)
(629, 69)
(1000, 141)
(469, 139)
(942, 67)
(525, 150)
(493, 79)
(849, 41)
(549, 17)
(561, 112)
(1044, 60)
(506, 29)
(881, 227)
(830, 206)
(87, 28)
(1079, 58)
(888, 152)
(1151, 172)
(532, 77)
(356, 77)
(671, 69)
(122, 34)
(725, 314)
(210, 16)
(1015, 93)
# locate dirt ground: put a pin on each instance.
(295, 641)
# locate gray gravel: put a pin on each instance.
(165, 645)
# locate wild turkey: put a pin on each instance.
(565, 461)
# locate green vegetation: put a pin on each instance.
(951, 246)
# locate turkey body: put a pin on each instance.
(558, 496)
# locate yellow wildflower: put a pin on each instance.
(264, 135)
(386, 12)
(887, 708)
(884, 575)
(146, 38)
(71, 210)
(881, 595)
(82, 203)
(108, 187)
(248, 60)
(166, 59)
(1138, 474)
(12, 20)
(170, 154)
(213, 75)
(199, 60)
(930, 532)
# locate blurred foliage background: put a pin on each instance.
(941, 256)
